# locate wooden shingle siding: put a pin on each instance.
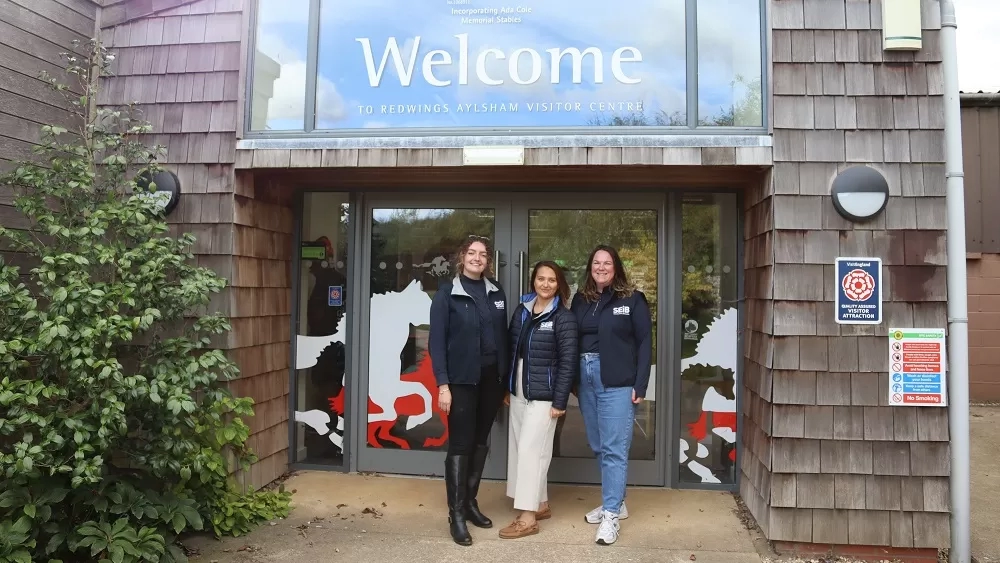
(846, 468)
(33, 33)
(179, 61)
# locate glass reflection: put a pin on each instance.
(321, 340)
(633, 233)
(729, 63)
(457, 63)
(411, 253)
(709, 332)
(279, 65)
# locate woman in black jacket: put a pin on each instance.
(468, 347)
(615, 358)
(542, 370)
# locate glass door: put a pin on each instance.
(411, 249)
(565, 229)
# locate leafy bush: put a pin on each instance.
(117, 432)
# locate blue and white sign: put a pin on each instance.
(335, 296)
(917, 366)
(859, 291)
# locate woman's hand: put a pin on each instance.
(556, 413)
(635, 400)
(506, 398)
(444, 399)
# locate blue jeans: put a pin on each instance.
(608, 415)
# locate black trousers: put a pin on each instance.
(473, 410)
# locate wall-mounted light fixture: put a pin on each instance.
(492, 155)
(901, 25)
(860, 193)
(168, 189)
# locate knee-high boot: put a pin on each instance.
(456, 475)
(476, 466)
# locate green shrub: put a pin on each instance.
(117, 432)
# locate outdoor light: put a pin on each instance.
(860, 193)
(492, 155)
(168, 189)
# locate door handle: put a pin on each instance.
(520, 274)
(497, 262)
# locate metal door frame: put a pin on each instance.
(652, 472)
(419, 462)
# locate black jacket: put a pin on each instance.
(551, 357)
(454, 337)
(626, 339)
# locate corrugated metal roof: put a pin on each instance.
(979, 99)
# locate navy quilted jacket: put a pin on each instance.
(551, 357)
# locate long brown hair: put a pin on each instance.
(562, 286)
(460, 255)
(620, 284)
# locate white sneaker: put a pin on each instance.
(594, 516)
(607, 534)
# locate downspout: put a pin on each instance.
(958, 302)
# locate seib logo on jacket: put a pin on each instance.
(547, 325)
(498, 304)
(623, 310)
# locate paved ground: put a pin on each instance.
(357, 518)
(984, 426)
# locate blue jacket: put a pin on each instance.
(551, 357)
(454, 337)
(625, 334)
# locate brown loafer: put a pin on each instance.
(518, 529)
(544, 514)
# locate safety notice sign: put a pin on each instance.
(917, 367)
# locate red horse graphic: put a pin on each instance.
(407, 405)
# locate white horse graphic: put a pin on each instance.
(307, 352)
(439, 266)
(717, 348)
(391, 316)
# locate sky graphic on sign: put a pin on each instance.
(440, 63)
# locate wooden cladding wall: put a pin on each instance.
(981, 154)
(179, 61)
(33, 33)
(845, 468)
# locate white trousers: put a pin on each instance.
(529, 449)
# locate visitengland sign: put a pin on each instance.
(468, 63)
(859, 291)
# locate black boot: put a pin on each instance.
(472, 513)
(456, 475)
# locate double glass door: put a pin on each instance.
(412, 246)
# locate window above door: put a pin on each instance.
(385, 68)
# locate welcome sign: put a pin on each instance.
(470, 63)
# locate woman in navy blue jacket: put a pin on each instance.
(615, 357)
(468, 347)
(543, 366)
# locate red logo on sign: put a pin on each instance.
(858, 285)
(915, 398)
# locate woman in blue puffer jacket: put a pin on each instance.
(543, 369)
